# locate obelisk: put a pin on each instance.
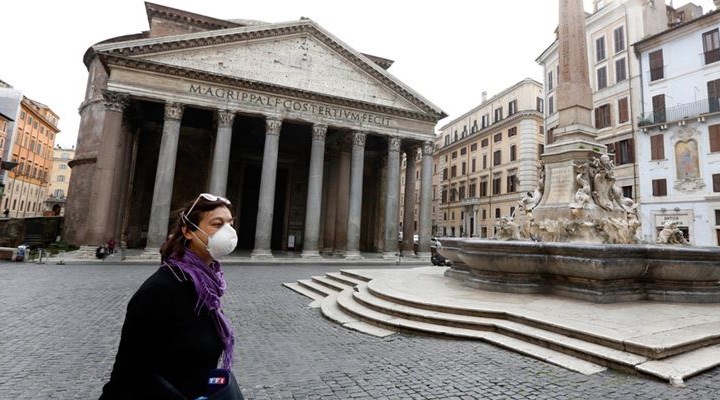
(566, 211)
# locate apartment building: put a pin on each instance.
(59, 181)
(614, 77)
(486, 159)
(679, 130)
(31, 146)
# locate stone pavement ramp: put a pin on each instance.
(669, 341)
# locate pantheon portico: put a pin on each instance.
(301, 132)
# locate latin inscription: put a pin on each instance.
(287, 104)
(561, 187)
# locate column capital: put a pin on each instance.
(115, 101)
(359, 138)
(173, 111)
(428, 148)
(319, 131)
(272, 125)
(225, 118)
(394, 143)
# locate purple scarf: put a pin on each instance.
(209, 285)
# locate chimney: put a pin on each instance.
(484, 93)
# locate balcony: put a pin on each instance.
(680, 112)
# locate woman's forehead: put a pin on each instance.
(219, 212)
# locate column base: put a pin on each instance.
(353, 255)
(408, 253)
(310, 254)
(258, 253)
(149, 253)
(389, 255)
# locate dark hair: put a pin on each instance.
(176, 243)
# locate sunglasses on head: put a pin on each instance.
(208, 197)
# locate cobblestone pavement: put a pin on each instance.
(60, 325)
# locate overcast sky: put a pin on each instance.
(448, 51)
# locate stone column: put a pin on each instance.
(332, 200)
(409, 203)
(102, 214)
(343, 199)
(164, 176)
(356, 189)
(425, 212)
(266, 201)
(221, 155)
(466, 221)
(314, 194)
(392, 202)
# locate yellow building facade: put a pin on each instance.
(59, 181)
(486, 160)
(32, 148)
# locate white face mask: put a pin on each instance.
(222, 242)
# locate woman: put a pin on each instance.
(174, 331)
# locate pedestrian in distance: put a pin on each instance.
(111, 246)
(6, 213)
(175, 332)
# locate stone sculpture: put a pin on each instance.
(671, 234)
(508, 229)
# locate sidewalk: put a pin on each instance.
(142, 257)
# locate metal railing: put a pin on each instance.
(680, 112)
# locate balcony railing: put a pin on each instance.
(680, 112)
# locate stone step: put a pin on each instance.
(346, 279)
(649, 347)
(329, 308)
(316, 287)
(356, 274)
(303, 291)
(379, 289)
(680, 367)
(347, 303)
(576, 347)
(331, 283)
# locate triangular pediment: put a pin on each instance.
(297, 55)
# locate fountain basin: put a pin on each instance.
(601, 273)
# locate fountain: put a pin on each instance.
(575, 235)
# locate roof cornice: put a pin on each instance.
(675, 31)
(135, 48)
(185, 17)
(205, 76)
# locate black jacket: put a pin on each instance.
(164, 335)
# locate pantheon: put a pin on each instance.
(304, 134)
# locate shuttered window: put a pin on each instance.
(623, 112)
(714, 131)
(659, 187)
(657, 147)
(658, 108)
(656, 65)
